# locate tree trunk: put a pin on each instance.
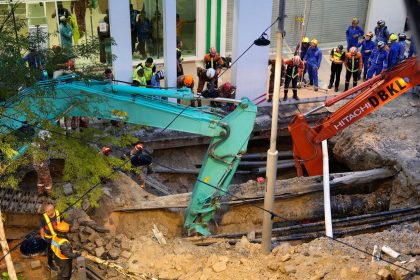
(5, 247)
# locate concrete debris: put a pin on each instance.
(114, 253)
(286, 257)
(35, 264)
(384, 274)
(158, 235)
(99, 251)
(68, 189)
(219, 267)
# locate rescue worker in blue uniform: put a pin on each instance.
(394, 50)
(367, 47)
(313, 60)
(301, 50)
(381, 32)
(378, 61)
(353, 33)
(402, 37)
(411, 50)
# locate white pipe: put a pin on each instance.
(390, 252)
(327, 200)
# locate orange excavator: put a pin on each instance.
(371, 95)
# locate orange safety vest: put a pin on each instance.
(56, 242)
(50, 226)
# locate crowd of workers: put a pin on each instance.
(379, 51)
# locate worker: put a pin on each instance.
(139, 77)
(411, 50)
(337, 56)
(49, 221)
(209, 76)
(41, 164)
(140, 159)
(213, 59)
(149, 69)
(303, 50)
(353, 33)
(313, 60)
(185, 81)
(381, 32)
(294, 70)
(156, 78)
(66, 34)
(179, 58)
(354, 64)
(227, 90)
(394, 49)
(367, 47)
(63, 252)
(402, 37)
(377, 60)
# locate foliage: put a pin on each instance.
(84, 165)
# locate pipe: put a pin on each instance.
(283, 154)
(327, 198)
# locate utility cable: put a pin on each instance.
(253, 43)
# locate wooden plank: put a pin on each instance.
(283, 189)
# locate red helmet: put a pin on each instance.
(213, 51)
(70, 64)
(106, 150)
(227, 86)
(353, 50)
(139, 146)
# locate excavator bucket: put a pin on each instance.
(306, 152)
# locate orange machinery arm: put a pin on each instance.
(374, 93)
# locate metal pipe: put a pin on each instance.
(272, 153)
(327, 198)
(314, 110)
(283, 154)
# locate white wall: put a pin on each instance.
(249, 74)
(393, 12)
(119, 21)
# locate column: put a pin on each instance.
(249, 74)
(169, 41)
(119, 21)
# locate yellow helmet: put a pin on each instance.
(393, 37)
(63, 227)
(315, 42)
(305, 40)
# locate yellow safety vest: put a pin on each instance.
(50, 226)
(136, 77)
(337, 55)
(56, 242)
(148, 72)
(352, 65)
(181, 59)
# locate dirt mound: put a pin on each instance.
(388, 136)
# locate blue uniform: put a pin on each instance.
(378, 61)
(381, 34)
(393, 54)
(367, 47)
(313, 60)
(352, 36)
(401, 51)
(411, 51)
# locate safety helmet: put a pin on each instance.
(381, 22)
(370, 34)
(340, 47)
(315, 42)
(106, 150)
(305, 40)
(381, 45)
(296, 60)
(212, 51)
(402, 36)
(62, 18)
(188, 80)
(227, 86)
(160, 74)
(355, 20)
(139, 146)
(210, 73)
(353, 50)
(63, 227)
(70, 64)
(393, 37)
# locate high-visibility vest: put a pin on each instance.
(56, 242)
(337, 55)
(293, 74)
(148, 72)
(50, 226)
(136, 77)
(181, 58)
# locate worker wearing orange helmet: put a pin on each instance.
(367, 48)
(185, 81)
(212, 59)
(63, 252)
(294, 71)
(353, 63)
(313, 60)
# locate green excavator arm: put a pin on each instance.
(230, 134)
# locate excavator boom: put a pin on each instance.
(373, 94)
(230, 134)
